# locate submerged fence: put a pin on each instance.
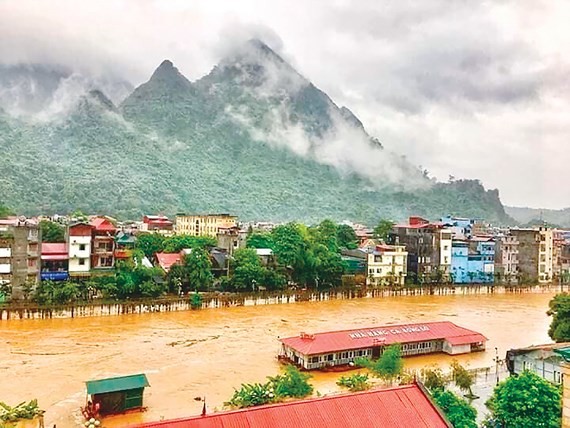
(18, 310)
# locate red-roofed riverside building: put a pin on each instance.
(79, 242)
(167, 260)
(103, 250)
(337, 348)
(55, 262)
(399, 407)
(157, 224)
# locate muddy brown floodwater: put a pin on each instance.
(207, 353)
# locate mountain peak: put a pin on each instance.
(166, 71)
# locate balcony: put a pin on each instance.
(103, 250)
(54, 276)
(123, 253)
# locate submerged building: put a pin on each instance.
(336, 348)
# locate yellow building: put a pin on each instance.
(387, 265)
(204, 224)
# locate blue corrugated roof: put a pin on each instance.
(113, 384)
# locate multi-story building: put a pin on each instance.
(506, 258)
(103, 248)
(157, 224)
(79, 243)
(386, 265)
(231, 239)
(422, 241)
(55, 262)
(473, 260)
(535, 255)
(203, 224)
(20, 250)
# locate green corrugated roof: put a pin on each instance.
(565, 352)
(112, 384)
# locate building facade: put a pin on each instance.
(204, 225)
(157, 224)
(543, 360)
(103, 244)
(20, 251)
(386, 265)
(79, 243)
(473, 260)
(506, 258)
(535, 256)
(55, 262)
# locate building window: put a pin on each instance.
(445, 248)
(81, 262)
(81, 247)
(378, 270)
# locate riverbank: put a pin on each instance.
(17, 310)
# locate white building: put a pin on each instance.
(545, 255)
(79, 239)
(386, 264)
(542, 360)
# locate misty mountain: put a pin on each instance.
(45, 91)
(253, 137)
(536, 215)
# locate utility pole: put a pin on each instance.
(497, 364)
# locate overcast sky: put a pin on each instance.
(463, 88)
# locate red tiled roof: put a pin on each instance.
(403, 406)
(54, 251)
(166, 260)
(102, 225)
(321, 343)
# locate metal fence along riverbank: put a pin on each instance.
(19, 310)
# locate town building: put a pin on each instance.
(124, 245)
(506, 258)
(337, 348)
(401, 406)
(79, 244)
(473, 260)
(464, 226)
(103, 248)
(20, 250)
(54, 262)
(386, 265)
(231, 239)
(157, 224)
(203, 224)
(424, 242)
(535, 255)
(166, 260)
(543, 360)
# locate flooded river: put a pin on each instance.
(207, 353)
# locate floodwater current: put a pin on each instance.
(207, 353)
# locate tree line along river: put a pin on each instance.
(209, 352)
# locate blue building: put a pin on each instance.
(473, 260)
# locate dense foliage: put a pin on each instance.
(292, 383)
(389, 366)
(462, 377)
(458, 411)
(383, 229)
(525, 401)
(355, 382)
(181, 146)
(5, 211)
(21, 411)
(52, 232)
(559, 310)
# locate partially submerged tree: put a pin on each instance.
(525, 401)
(463, 378)
(559, 310)
(389, 366)
(355, 382)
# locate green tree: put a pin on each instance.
(458, 411)
(290, 247)
(247, 270)
(199, 268)
(559, 310)
(462, 378)
(326, 234)
(433, 378)
(51, 231)
(388, 366)
(346, 237)
(177, 243)
(5, 211)
(292, 383)
(525, 401)
(259, 240)
(196, 301)
(355, 382)
(150, 244)
(328, 265)
(383, 229)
